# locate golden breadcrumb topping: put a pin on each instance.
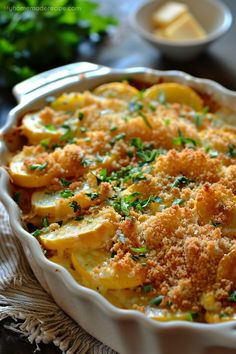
(134, 192)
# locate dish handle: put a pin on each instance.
(28, 87)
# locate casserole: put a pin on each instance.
(80, 303)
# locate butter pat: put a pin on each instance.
(183, 29)
(168, 13)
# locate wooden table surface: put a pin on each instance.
(125, 49)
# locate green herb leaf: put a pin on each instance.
(93, 196)
(139, 249)
(182, 140)
(45, 222)
(232, 151)
(45, 143)
(157, 300)
(216, 224)
(75, 206)
(37, 232)
(135, 106)
(118, 137)
(64, 182)
(232, 296)
(67, 193)
(38, 167)
(17, 197)
(79, 218)
(147, 288)
(145, 119)
(83, 129)
(81, 116)
(181, 181)
(50, 127)
(178, 201)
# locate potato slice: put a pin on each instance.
(52, 203)
(226, 268)
(36, 130)
(26, 178)
(175, 93)
(105, 274)
(120, 90)
(90, 233)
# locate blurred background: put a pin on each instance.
(36, 35)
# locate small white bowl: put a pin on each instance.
(213, 15)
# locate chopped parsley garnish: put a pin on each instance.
(167, 122)
(81, 116)
(45, 143)
(135, 106)
(38, 167)
(181, 181)
(75, 206)
(147, 288)
(118, 137)
(178, 201)
(191, 316)
(137, 142)
(216, 224)
(149, 156)
(37, 232)
(79, 218)
(145, 119)
(199, 117)
(45, 222)
(17, 197)
(139, 249)
(232, 296)
(67, 193)
(93, 196)
(64, 182)
(183, 141)
(68, 136)
(152, 107)
(86, 162)
(144, 152)
(112, 129)
(113, 254)
(157, 300)
(124, 204)
(102, 177)
(50, 127)
(232, 151)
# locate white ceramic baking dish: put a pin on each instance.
(126, 331)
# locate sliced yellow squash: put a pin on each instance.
(27, 178)
(52, 203)
(90, 233)
(36, 130)
(120, 90)
(105, 274)
(175, 93)
(73, 101)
